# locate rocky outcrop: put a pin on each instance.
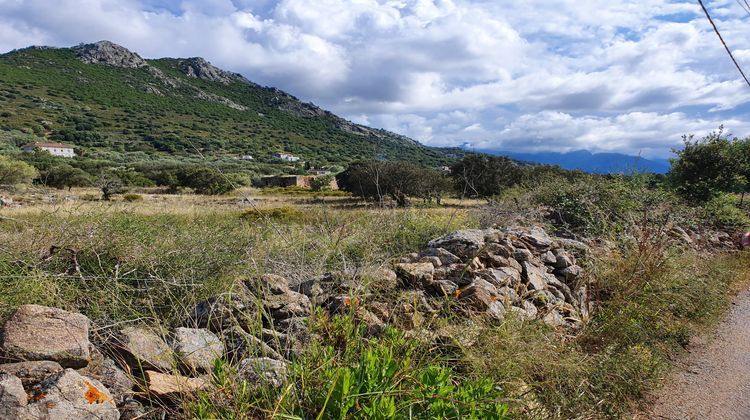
(110, 54)
(199, 68)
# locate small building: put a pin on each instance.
(286, 156)
(244, 157)
(55, 149)
(283, 181)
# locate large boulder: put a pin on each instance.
(70, 396)
(31, 372)
(143, 349)
(36, 332)
(197, 348)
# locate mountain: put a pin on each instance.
(118, 107)
(600, 163)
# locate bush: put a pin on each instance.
(16, 172)
(132, 197)
(722, 212)
(278, 215)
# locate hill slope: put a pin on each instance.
(117, 106)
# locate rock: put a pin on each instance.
(36, 332)
(508, 296)
(496, 311)
(224, 311)
(415, 274)
(31, 372)
(287, 305)
(499, 249)
(199, 68)
(477, 298)
(384, 279)
(435, 261)
(274, 284)
(342, 304)
(375, 326)
(554, 319)
(457, 273)
(240, 344)
(381, 310)
(171, 386)
(409, 258)
(535, 276)
(567, 295)
(521, 255)
(70, 396)
(570, 274)
(131, 409)
(562, 259)
(106, 371)
(504, 276)
(197, 348)
(408, 317)
(445, 256)
(577, 247)
(530, 309)
(108, 53)
(497, 261)
(259, 371)
(12, 397)
(443, 288)
(537, 238)
(549, 258)
(462, 243)
(143, 349)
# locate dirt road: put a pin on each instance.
(713, 381)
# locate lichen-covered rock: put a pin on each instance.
(70, 396)
(31, 372)
(36, 332)
(260, 371)
(197, 348)
(535, 276)
(443, 255)
(287, 305)
(106, 371)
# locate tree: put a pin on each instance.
(15, 172)
(376, 180)
(484, 176)
(110, 184)
(703, 168)
(205, 180)
(66, 176)
(321, 183)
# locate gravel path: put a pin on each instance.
(713, 381)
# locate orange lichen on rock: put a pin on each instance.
(36, 396)
(94, 396)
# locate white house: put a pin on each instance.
(286, 156)
(55, 149)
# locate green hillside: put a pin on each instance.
(119, 109)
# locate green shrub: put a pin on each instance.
(274, 215)
(722, 212)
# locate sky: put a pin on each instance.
(628, 76)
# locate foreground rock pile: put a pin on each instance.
(523, 272)
(52, 369)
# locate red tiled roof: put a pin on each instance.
(53, 145)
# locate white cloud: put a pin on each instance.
(630, 75)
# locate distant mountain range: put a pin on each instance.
(600, 163)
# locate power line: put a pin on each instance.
(744, 5)
(736, 64)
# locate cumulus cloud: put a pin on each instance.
(632, 75)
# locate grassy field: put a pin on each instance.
(152, 259)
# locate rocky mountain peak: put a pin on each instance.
(109, 53)
(199, 68)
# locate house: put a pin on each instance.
(55, 149)
(283, 181)
(244, 157)
(286, 156)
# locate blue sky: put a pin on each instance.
(535, 75)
